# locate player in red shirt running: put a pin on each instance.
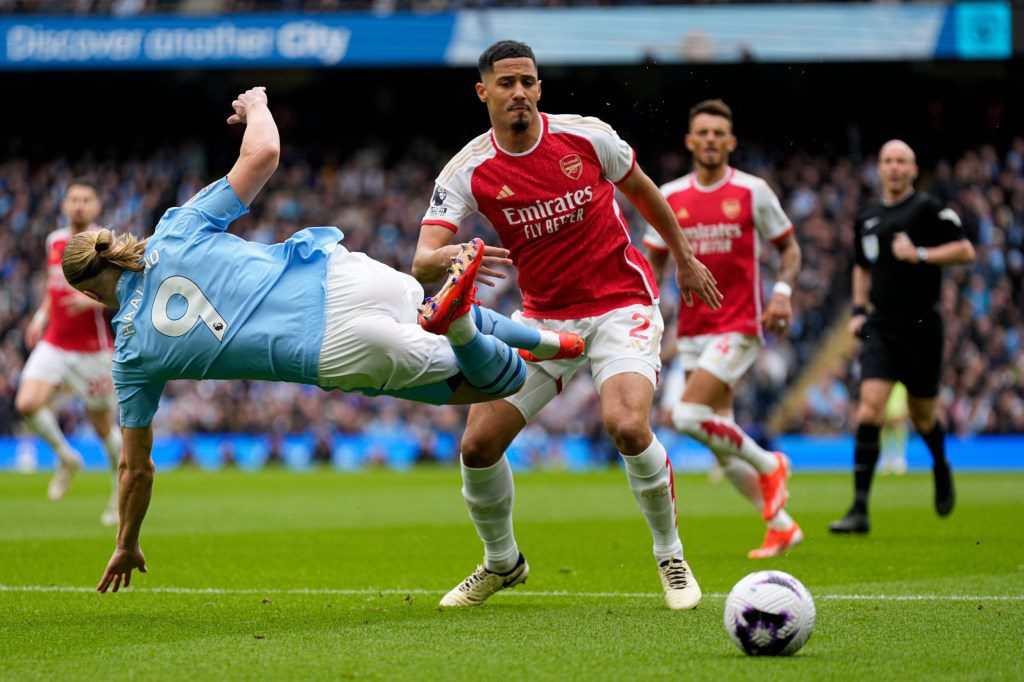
(546, 184)
(721, 211)
(71, 345)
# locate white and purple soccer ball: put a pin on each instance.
(769, 613)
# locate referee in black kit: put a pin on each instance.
(901, 242)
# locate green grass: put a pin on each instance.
(265, 534)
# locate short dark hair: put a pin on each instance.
(82, 181)
(503, 49)
(715, 107)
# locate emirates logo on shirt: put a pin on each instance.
(714, 238)
(547, 217)
(572, 166)
(731, 208)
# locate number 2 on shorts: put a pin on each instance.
(645, 322)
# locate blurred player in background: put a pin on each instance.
(901, 240)
(723, 212)
(546, 183)
(894, 432)
(195, 302)
(71, 346)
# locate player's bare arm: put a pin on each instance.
(37, 327)
(691, 275)
(958, 252)
(861, 292)
(434, 253)
(659, 261)
(135, 487)
(778, 314)
(76, 304)
(261, 144)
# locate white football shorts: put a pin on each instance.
(622, 340)
(371, 336)
(726, 356)
(86, 374)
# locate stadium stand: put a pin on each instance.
(377, 197)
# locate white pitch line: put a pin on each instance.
(522, 593)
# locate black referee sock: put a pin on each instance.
(865, 457)
(936, 442)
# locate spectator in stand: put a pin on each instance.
(376, 203)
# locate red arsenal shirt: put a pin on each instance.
(85, 332)
(553, 207)
(722, 222)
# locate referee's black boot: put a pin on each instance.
(854, 522)
(945, 494)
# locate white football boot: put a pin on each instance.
(482, 583)
(67, 467)
(682, 593)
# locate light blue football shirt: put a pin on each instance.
(211, 305)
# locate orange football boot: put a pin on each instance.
(776, 542)
(773, 487)
(458, 294)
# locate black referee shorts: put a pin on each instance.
(908, 350)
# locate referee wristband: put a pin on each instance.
(860, 310)
(782, 288)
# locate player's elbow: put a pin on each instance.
(264, 159)
(968, 254)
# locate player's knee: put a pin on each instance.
(26, 405)
(870, 414)
(631, 433)
(100, 421)
(478, 452)
(687, 417)
(479, 447)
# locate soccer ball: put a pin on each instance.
(769, 613)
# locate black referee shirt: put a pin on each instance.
(899, 288)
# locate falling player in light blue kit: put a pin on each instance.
(195, 302)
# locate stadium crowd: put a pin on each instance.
(377, 196)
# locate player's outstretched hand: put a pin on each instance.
(494, 256)
(695, 279)
(250, 98)
(778, 316)
(119, 568)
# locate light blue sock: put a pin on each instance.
(490, 365)
(501, 327)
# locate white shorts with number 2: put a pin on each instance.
(726, 356)
(86, 374)
(622, 340)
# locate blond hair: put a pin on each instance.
(88, 254)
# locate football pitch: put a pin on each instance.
(331, 575)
